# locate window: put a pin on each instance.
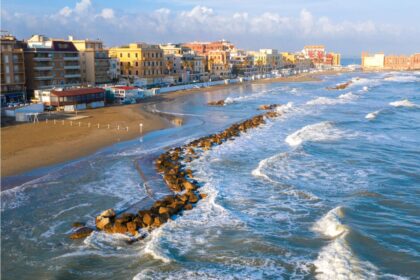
(137, 64)
(153, 55)
(7, 69)
(6, 59)
(137, 55)
(128, 55)
(137, 72)
(120, 54)
(129, 72)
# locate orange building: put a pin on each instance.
(203, 48)
(402, 62)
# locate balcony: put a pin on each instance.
(42, 78)
(71, 58)
(69, 76)
(43, 68)
(71, 67)
(42, 58)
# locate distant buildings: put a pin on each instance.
(140, 60)
(12, 67)
(320, 58)
(379, 61)
(94, 61)
(51, 67)
(51, 63)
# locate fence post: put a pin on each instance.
(80, 124)
(71, 123)
(98, 125)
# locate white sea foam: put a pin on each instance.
(252, 96)
(342, 99)
(336, 260)
(402, 78)
(403, 103)
(285, 108)
(372, 115)
(323, 131)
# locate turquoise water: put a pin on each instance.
(329, 190)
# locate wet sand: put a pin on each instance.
(28, 146)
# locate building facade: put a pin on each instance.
(12, 67)
(140, 60)
(51, 63)
(94, 61)
(373, 62)
(218, 63)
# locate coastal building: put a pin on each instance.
(114, 69)
(402, 62)
(71, 99)
(140, 60)
(218, 64)
(373, 62)
(203, 48)
(94, 61)
(12, 67)
(241, 63)
(193, 67)
(320, 58)
(266, 60)
(125, 94)
(50, 63)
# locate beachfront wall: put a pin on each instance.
(196, 85)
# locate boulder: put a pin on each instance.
(100, 224)
(203, 195)
(109, 213)
(119, 228)
(192, 197)
(164, 210)
(217, 103)
(188, 207)
(147, 219)
(132, 227)
(81, 233)
(189, 186)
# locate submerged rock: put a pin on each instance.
(217, 103)
(81, 233)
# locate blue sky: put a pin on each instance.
(344, 26)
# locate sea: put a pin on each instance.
(328, 190)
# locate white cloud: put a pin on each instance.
(65, 12)
(199, 23)
(83, 6)
(107, 13)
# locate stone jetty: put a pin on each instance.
(178, 178)
(217, 103)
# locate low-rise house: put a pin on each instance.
(72, 99)
(125, 94)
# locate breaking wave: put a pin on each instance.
(343, 98)
(372, 115)
(336, 260)
(403, 103)
(323, 131)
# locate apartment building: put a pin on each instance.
(218, 63)
(266, 60)
(373, 62)
(203, 48)
(50, 63)
(94, 61)
(402, 62)
(12, 67)
(140, 60)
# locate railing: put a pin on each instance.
(42, 58)
(72, 75)
(43, 78)
(71, 58)
(40, 68)
(69, 67)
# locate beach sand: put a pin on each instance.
(27, 146)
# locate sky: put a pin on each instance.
(348, 27)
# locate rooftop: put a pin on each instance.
(77, 91)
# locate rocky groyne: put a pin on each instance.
(340, 86)
(178, 178)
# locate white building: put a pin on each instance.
(114, 69)
(126, 94)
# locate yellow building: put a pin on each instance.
(12, 70)
(141, 60)
(94, 61)
(336, 59)
(288, 58)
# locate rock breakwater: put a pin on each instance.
(178, 178)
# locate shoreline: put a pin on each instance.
(28, 147)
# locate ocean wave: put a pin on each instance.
(402, 78)
(357, 81)
(403, 103)
(284, 108)
(252, 96)
(372, 115)
(336, 260)
(343, 98)
(323, 131)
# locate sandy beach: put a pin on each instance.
(27, 146)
